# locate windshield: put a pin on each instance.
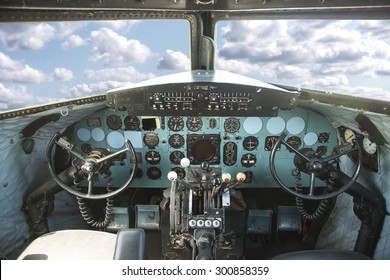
(344, 56)
(45, 62)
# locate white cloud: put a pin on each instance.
(26, 36)
(62, 74)
(115, 49)
(17, 97)
(73, 41)
(174, 61)
(124, 74)
(84, 89)
(16, 71)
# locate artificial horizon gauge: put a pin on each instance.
(369, 146)
(349, 135)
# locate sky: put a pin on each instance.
(46, 62)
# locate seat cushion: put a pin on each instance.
(322, 255)
(71, 245)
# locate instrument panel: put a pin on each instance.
(228, 143)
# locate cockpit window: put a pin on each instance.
(343, 56)
(50, 61)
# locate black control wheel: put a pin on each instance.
(311, 163)
(90, 167)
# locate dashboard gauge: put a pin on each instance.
(250, 143)
(154, 173)
(176, 156)
(194, 123)
(152, 157)
(86, 148)
(248, 160)
(230, 153)
(131, 123)
(151, 140)
(176, 123)
(349, 135)
(181, 174)
(369, 146)
(94, 122)
(321, 150)
(323, 137)
(212, 123)
(203, 150)
(294, 141)
(138, 173)
(231, 125)
(270, 142)
(114, 122)
(176, 141)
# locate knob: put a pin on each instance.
(172, 176)
(240, 177)
(185, 162)
(226, 177)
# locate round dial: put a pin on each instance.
(232, 125)
(176, 123)
(181, 174)
(154, 173)
(270, 142)
(323, 137)
(152, 157)
(114, 122)
(151, 139)
(349, 135)
(321, 150)
(131, 123)
(369, 146)
(294, 141)
(248, 160)
(194, 123)
(250, 143)
(176, 156)
(176, 141)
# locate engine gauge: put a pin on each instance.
(250, 143)
(194, 123)
(151, 140)
(176, 141)
(294, 141)
(154, 173)
(270, 142)
(181, 174)
(114, 122)
(232, 125)
(323, 137)
(349, 135)
(321, 150)
(152, 157)
(131, 123)
(369, 146)
(248, 160)
(176, 156)
(176, 123)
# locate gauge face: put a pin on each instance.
(154, 173)
(181, 174)
(230, 153)
(114, 122)
(176, 156)
(270, 142)
(248, 160)
(349, 135)
(131, 123)
(323, 137)
(203, 150)
(321, 150)
(369, 146)
(250, 143)
(151, 140)
(194, 123)
(176, 141)
(152, 157)
(294, 141)
(176, 123)
(231, 125)
(212, 123)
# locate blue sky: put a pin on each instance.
(44, 62)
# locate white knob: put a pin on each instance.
(185, 162)
(240, 177)
(172, 176)
(226, 177)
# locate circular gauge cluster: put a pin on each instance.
(114, 122)
(176, 123)
(232, 125)
(194, 123)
